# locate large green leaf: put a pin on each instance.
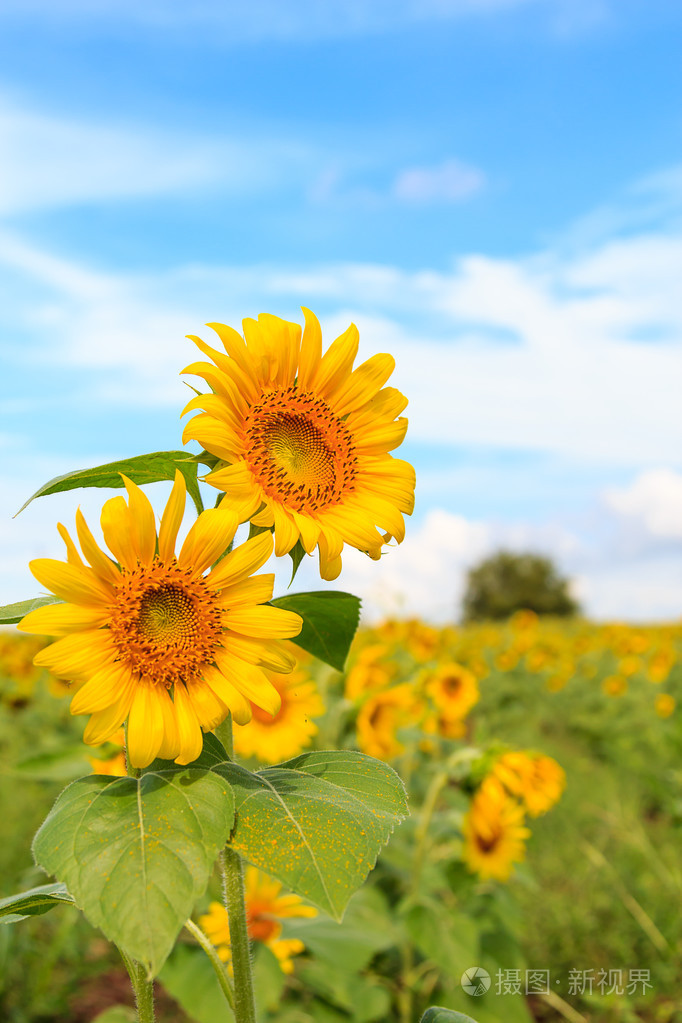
(330, 619)
(317, 822)
(436, 1014)
(34, 902)
(137, 853)
(10, 614)
(160, 465)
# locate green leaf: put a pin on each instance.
(116, 1014)
(137, 853)
(297, 554)
(10, 614)
(160, 465)
(213, 752)
(438, 1015)
(188, 976)
(318, 822)
(34, 902)
(330, 619)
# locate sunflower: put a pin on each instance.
(382, 715)
(454, 691)
(153, 639)
(266, 907)
(273, 739)
(537, 781)
(304, 439)
(494, 832)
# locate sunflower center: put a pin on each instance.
(260, 922)
(299, 451)
(165, 622)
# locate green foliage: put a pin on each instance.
(160, 465)
(145, 844)
(330, 620)
(34, 902)
(11, 614)
(507, 582)
(436, 1014)
(188, 976)
(318, 822)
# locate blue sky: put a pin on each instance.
(491, 189)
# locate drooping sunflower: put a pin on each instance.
(494, 832)
(304, 439)
(266, 907)
(274, 738)
(154, 640)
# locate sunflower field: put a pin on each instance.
(537, 876)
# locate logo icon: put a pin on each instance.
(475, 981)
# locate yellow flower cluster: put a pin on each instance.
(266, 907)
(392, 673)
(494, 828)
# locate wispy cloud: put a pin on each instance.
(53, 161)
(450, 181)
(577, 355)
(273, 19)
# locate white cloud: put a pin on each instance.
(53, 161)
(653, 502)
(577, 354)
(450, 181)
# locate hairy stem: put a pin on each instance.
(233, 888)
(143, 988)
(216, 961)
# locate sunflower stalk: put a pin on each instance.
(235, 903)
(142, 987)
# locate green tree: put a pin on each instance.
(507, 582)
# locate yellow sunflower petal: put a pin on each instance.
(71, 583)
(72, 555)
(61, 619)
(103, 566)
(145, 724)
(115, 523)
(265, 622)
(208, 538)
(78, 655)
(214, 436)
(363, 384)
(105, 723)
(337, 362)
(170, 745)
(102, 690)
(209, 709)
(269, 654)
(242, 561)
(250, 680)
(172, 517)
(190, 740)
(286, 533)
(382, 438)
(255, 590)
(237, 704)
(142, 522)
(311, 350)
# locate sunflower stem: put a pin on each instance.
(235, 903)
(217, 963)
(143, 988)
